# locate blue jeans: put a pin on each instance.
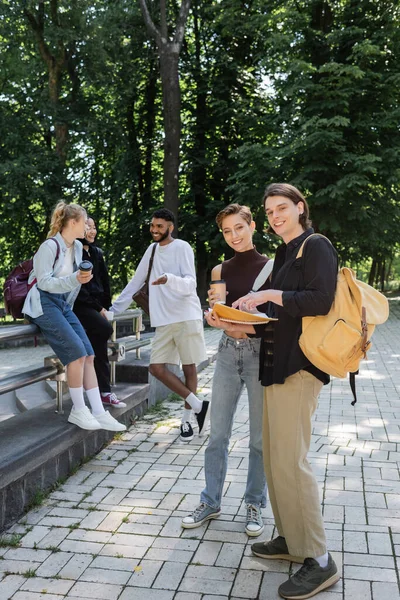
(237, 365)
(62, 328)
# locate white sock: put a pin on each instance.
(187, 414)
(322, 560)
(77, 398)
(194, 402)
(95, 401)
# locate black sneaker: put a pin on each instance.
(274, 549)
(186, 432)
(309, 580)
(201, 416)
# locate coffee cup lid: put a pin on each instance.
(85, 265)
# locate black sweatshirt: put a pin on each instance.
(95, 294)
(308, 286)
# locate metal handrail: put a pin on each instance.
(20, 380)
(53, 368)
(15, 332)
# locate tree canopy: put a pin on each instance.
(303, 91)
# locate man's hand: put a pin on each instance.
(160, 281)
(103, 313)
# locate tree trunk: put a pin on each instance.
(388, 272)
(150, 95)
(169, 48)
(134, 149)
(371, 277)
(382, 275)
(169, 59)
(199, 171)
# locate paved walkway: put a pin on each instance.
(112, 531)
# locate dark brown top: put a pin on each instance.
(240, 272)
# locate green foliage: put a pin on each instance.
(13, 541)
(297, 91)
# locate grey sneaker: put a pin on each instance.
(274, 549)
(309, 580)
(254, 522)
(200, 515)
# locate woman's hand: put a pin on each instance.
(251, 301)
(214, 321)
(84, 276)
(213, 297)
(103, 313)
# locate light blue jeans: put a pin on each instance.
(237, 365)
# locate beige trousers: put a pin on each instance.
(292, 487)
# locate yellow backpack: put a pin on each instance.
(337, 342)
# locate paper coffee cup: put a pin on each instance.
(219, 287)
(85, 266)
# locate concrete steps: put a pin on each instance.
(39, 447)
(8, 406)
(34, 396)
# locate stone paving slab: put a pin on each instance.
(112, 530)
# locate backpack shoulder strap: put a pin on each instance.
(151, 263)
(57, 251)
(263, 275)
(300, 252)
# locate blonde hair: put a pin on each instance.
(63, 213)
(234, 209)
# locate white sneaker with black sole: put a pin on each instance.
(186, 432)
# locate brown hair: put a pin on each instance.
(63, 213)
(293, 194)
(234, 209)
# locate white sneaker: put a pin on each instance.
(84, 419)
(108, 422)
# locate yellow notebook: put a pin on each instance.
(233, 315)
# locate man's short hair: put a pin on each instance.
(234, 209)
(164, 213)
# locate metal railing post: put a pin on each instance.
(112, 364)
(60, 377)
(60, 409)
(138, 329)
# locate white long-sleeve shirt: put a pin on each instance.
(175, 301)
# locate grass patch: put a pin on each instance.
(174, 398)
(29, 573)
(158, 409)
(11, 542)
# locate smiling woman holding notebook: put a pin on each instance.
(236, 366)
